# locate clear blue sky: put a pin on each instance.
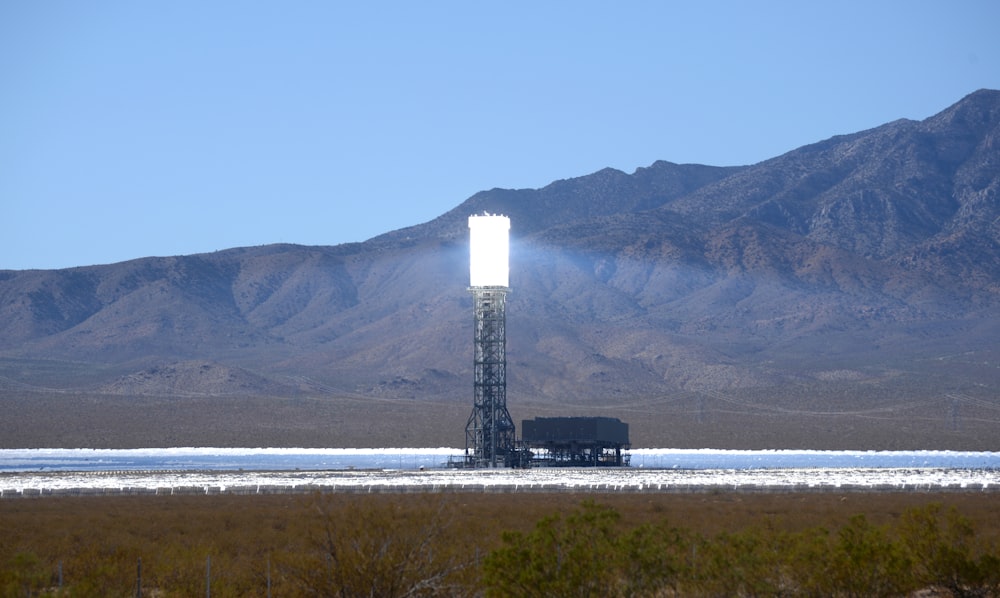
(130, 129)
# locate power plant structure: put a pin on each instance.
(576, 441)
(490, 438)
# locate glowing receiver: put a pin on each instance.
(489, 248)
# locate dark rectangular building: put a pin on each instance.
(575, 429)
(576, 441)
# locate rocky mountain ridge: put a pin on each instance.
(859, 273)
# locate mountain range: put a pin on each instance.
(845, 294)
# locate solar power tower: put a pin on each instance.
(489, 434)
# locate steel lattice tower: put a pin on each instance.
(489, 433)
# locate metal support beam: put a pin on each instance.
(489, 433)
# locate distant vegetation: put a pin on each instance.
(587, 553)
(465, 544)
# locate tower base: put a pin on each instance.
(490, 434)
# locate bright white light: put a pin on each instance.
(489, 248)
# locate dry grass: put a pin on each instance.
(99, 540)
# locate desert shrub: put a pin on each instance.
(865, 561)
(944, 552)
(655, 556)
(473, 543)
(749, 562)
(589, 553)
(808, 563)
(23, 574)
(384, 549)
(573, 555)
(93, 569)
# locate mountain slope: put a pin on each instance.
(840, 286)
